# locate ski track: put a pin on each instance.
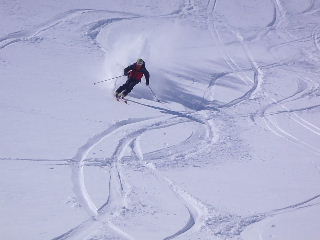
(258, 74)
(274, 18)
(191, 204)
(258, 81)
(271, 26)
(213, 131)
(185, 148)
(79, 188)
(316, 38)
(309, 8)
(228, 225)
(15, 37)
(124, 143)
(294, 206)
(275, 128)
(225, 224)
(119, 188)
(33, 33)
(184, 10)
(96, 27)
(296, 110)
(197, 211)
(314, 87)
(216, 35)
(301, 90)
(200, 215)
(98, 216)
(78, 164)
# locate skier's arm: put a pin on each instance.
(147, 76)
(127, 70)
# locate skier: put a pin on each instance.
(134, 72)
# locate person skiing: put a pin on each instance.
(134, 72)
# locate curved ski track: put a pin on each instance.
(201, 217)
(33, 33)
(118, 186)
(28, 35)
(235, 68)
(300, 93)
(258, 78)
(197, 211)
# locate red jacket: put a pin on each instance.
(136, 72)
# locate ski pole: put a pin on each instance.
(107, 79)
(155, 96)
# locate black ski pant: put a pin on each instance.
(128, 86)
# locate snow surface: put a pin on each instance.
(231, 151)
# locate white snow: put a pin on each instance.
(232, 151)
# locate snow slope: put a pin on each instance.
(231, 151)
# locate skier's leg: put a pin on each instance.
(129, 87)
(121, 88)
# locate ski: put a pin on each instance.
(121, 99)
